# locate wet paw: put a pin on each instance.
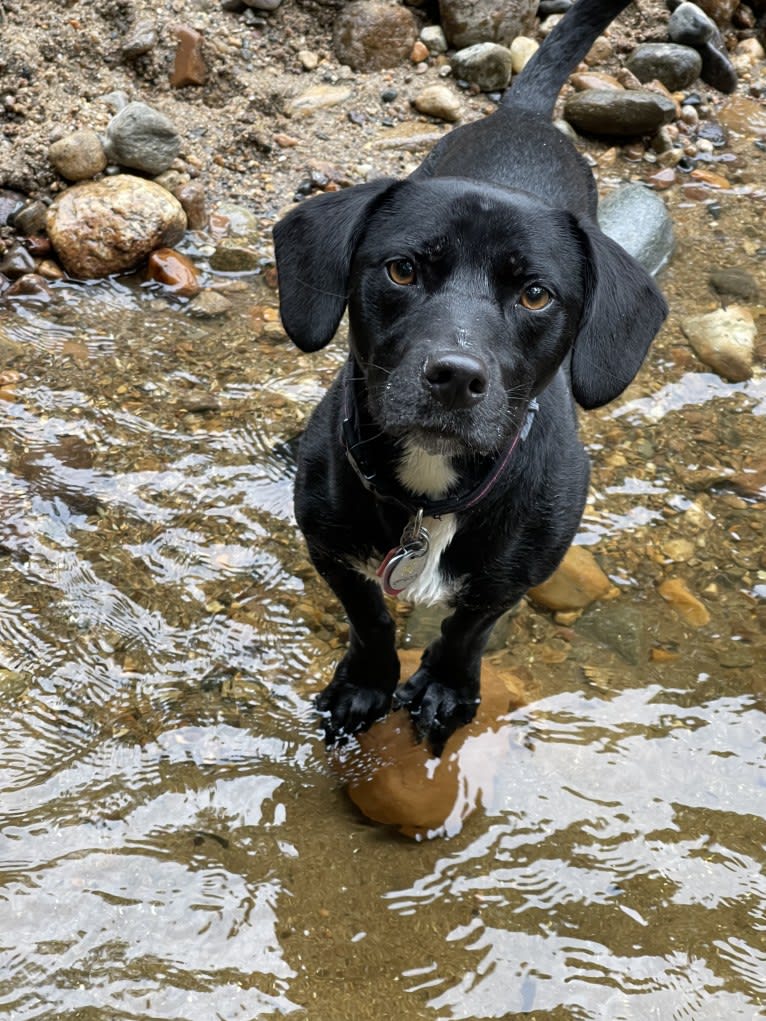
(437, 709)
(347, 708)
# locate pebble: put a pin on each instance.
(319, 97)
(175, 271)
(31, 285)
(690, 26)
(78, 156)
(109, 226)
(583, 80)
(31, 219)
(191, 195)
(614, 113)
(522, 50)
(439, 101)
(142, 138)
(487, 65)
(209, 304)
(674, 65)
(735, 283)
(309, 60)
(548, 7)
(141, 40)
(466, 22)
(678, 550)
(189, 66)
(638, 220)
(394, 780)
(662, 179)
(230, 258)
(369, 35)
(419, 52)
(16, 262)
(11, 203)
(676, 593)
(724, 340)
(576, 583)
(717, 68)
(434, 38)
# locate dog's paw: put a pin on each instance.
(437, 710)
(348, 708)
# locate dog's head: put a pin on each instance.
(464, 300)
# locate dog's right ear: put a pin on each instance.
(314, 245)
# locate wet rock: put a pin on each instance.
(50, 270)
(676, 593)
(369, 35)
(395, 781)
(141, 40)
(241, 221)
(717, 68)
(619, 625)
(734, 283)
(78, 156)
(547, 7)
(434, 38)
(319, 97)
(192, 198)
(614, 113)
(466, 22)
(594, 80)
(174, 271)
(675, 66)
(724, 340)
(230, 258)
(11, 203)
(487, 65)
(438, 101)
(189, 66)
(522, 50)
(31, 285)
(419, 52)
(108, 226)
(721, 11)
(662, 179)
(690, 26)
(209, 304)
(577, 582)
(638, 220)
(16, 262)
(142, 138)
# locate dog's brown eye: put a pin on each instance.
(401, 271)
(535, 298)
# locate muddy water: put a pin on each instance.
(173, 842)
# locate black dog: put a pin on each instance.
(444, 463)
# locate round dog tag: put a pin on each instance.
(401, 567)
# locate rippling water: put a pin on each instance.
(173, 842)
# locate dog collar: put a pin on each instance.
(354, 442)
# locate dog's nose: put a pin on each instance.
(456, 379)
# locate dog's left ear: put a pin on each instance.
(314, 245)
(623, 313)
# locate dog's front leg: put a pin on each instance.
(443, 693)
(365, 679)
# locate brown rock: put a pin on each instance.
(392, 778)
(594, 80)
(466, 22)
(78, 156)
(109, 226)
(189, 67)
(370, 35)
(675, 592)
(576, 583)
(192, 197)
(174, 271)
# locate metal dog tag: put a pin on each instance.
(404, 564)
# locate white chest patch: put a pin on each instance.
(431, 476)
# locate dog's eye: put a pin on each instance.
(401, 271)
(535, 298)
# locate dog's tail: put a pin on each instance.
(537, 87)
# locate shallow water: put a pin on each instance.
(173, 842)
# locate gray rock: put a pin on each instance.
(735, 283)
(690, 26)
(233, 258)
(619, 113)
(487, 65)
(546, 7)
(142, 138)
(717, 68)
(16, 262)
(637, 219)
(434, 38)
(674, 65)
(466, 22)
(141, 40)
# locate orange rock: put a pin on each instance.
(708, 177)
(396, 781)
(576, 583)
(175, 271)
(419, 52)
(684, 602)
(189, 67)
